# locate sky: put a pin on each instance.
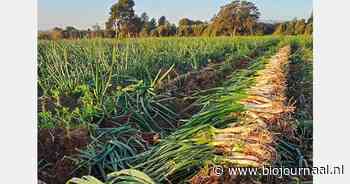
(84, 14)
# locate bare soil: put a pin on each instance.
(54, 145)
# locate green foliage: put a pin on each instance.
(233, 19)
(236, 18)
(165, 30)
(193, 28)
(45, 120)
(309, 29)
(188, 22)
(70, 109)
(184, 30)
(199, 29)
(295, 27)
(123, 19)
(162, 21)
(148, 26)
(185, 22)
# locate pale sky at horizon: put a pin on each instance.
(84, 14)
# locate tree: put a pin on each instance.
(280, 29)
(96, 27)
(189, 22)
(148, 27)
(43, 35)
(236, 18)
(197, 22)
(123, 19)
(291, 27)
(311, 19)
(265, 28)
(108, 33)
(188, 27)
(96, 31)
(162, 21)
(300, 27)
(165, 30)
(110, 29)
(71, 29)
(184, 30)
(144, 17)
(154, 33)
(56, 33)
(199, 29)
(71, 33)
(172, 29)
(185, 22)
(132, 28)
(152, 24)
(309, 25)
(294, 27)
(309, 29)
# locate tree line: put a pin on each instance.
(237, 18)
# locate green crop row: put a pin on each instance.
(85, 81)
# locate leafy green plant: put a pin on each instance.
(45, 120)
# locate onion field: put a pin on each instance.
(169, 110)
